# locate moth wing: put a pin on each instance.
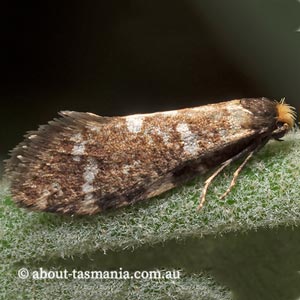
(36, 141)
(45, 170)
(83, 163)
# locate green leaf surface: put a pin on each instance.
(265, 196)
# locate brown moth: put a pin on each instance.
(82, 163)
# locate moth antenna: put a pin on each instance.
(209, 181)
(236, 174)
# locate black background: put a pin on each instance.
(124, 57)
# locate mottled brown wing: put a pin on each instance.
(84, 164)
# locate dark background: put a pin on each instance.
(124, 57)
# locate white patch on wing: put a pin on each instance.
(165, 136)
(79, 146)
(95, 128)
(79, 149)
(188, 138)
(170, 113)
(134, 123)
(204, 108)
(76, 158)
(77, 138)
(90, 172)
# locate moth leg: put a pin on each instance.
(209, 181)
(250, 153)
(236, 174)
(247, 151)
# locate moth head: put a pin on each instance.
(285, 119)
(285, 114)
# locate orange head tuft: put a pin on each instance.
(285, 113)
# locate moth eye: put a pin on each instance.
(279, 124)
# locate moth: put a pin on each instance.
(82, 163)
